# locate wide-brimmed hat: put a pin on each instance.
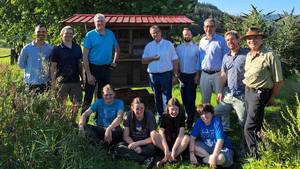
(253, 31)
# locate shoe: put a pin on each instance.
(149, 162)
(160, 163)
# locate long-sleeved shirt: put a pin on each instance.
(35, 61)
(188, 54)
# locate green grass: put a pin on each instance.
(4, 52)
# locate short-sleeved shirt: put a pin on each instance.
(262, 70)
(140, 130)
(167, 53)
(212, 52)
(211, 133)
(100, 46)
(35, 61)
(188, 54)
(67, 60)
(234, 67)
(106, 113)
(172, 125)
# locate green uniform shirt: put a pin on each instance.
(262, 70)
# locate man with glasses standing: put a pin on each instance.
(98, 48)
(212, 49)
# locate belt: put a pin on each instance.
(210, 72)
(159, 73)
(249, 89)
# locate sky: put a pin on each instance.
(235, 7)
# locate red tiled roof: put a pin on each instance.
(129, 20)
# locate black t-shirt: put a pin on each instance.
(67, 60)
(140, 130)
(172, 125)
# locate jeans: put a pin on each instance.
(161, 84)
(188, 95)
(96, 133)
(256, 101)
(208, 84)
(122, 151)
(229, 103)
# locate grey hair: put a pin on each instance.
(65, 28)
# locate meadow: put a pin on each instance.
(34, 134)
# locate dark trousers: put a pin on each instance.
(123, 151)
(188, 95)
(161, 84)
(256, 101)
(96, 133)
(102, 73)
(39, 88)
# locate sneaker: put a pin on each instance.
(160, 163)
(149, 162)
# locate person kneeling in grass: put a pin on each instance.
(215, 148)
(171, 138)
(109, 116)
(139, 126)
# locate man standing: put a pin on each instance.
(188, 54)
(34, 58)
(99, 45)
(66, 68)
(212, 49)
(232, 74)
(263, 80)
(162, 60)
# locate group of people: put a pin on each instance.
(245, 80)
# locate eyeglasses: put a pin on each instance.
(106, 95)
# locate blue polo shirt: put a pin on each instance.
(233, 66)
(67, 60)
(212, 52)
(100, 46)
(35, 61)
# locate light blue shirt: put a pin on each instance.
(100, 46)
(212, 52)
(167, 53)
(188, 54)
(107, 113)
(35, 61)
(234, 67)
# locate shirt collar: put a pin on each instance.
(188, 43)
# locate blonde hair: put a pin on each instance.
(234, 33)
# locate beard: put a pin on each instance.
(187, 40)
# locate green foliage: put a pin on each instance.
(21, 16)
(283, 34)
(35, 134)
(279, 149)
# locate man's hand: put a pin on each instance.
(156, 57)
(133, 145)
(91, 79)
(197, 79)
(212, 161)
(220, 97)
(108, 135)
(271, 102)
(81, 131)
